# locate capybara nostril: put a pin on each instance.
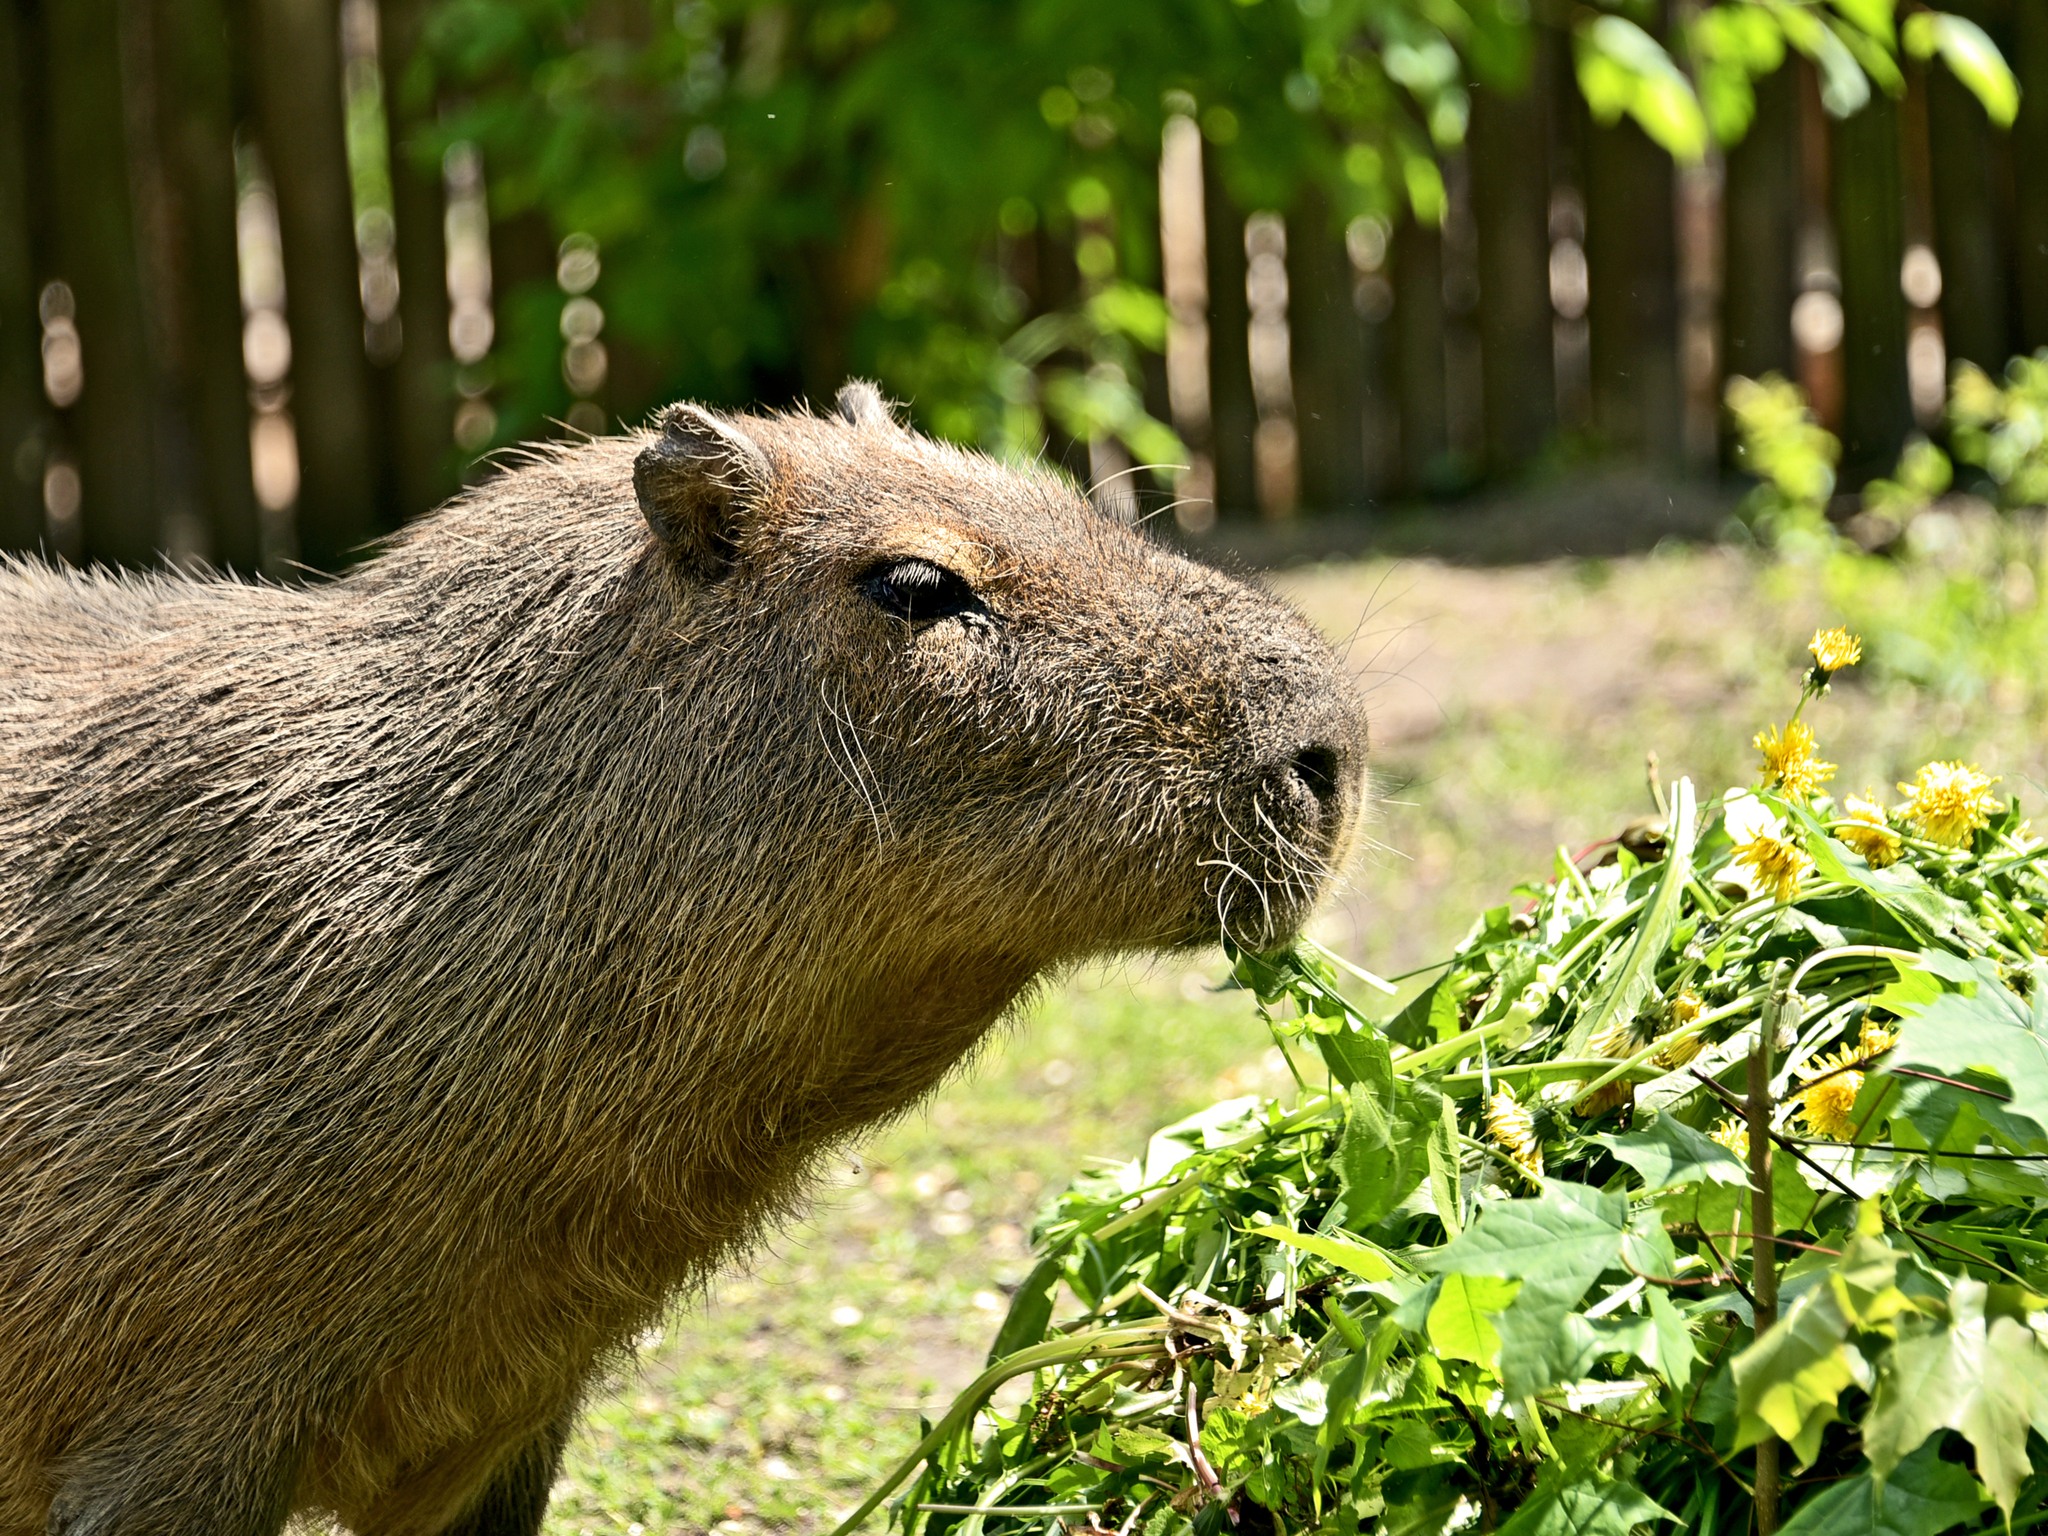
(1319, 768)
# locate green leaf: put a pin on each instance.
(1844, 88)
(1361, 1259)
(1459, 1323)
(1624, 69)
(1583, 1506)
(1556, 1245)
(1628, 988)
(1030, 1308)
(1971, 56)
(1989, 1030)
(1987, 1380)
(1787, 1382)
(1874, 17)
(1669, 1153)
(1924, 1496)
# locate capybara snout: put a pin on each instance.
(408, 984)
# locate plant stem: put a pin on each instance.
(1763, 1228)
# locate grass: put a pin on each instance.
(1512, 711)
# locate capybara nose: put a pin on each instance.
(1319, 768)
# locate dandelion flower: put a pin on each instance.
(1685, 1008)
(1732, 1134)
(1766, 857)
(1834, 649)
(1949, 803)
(1510, 1127)
(1874, 1040)
(1613, 1096)
(1622, 1038)
(1825, 1105)
(1790, 766)
(1867, 830)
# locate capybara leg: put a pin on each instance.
(516, 1501)
(139, 1486)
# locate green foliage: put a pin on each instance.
(1495, 1275)
(962, 201)
(2003, 430)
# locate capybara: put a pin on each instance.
(409, 983)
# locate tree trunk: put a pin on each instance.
(1507, 149)
(1868, 197)
(1970, 237)
(2030, 170)
(1632, 292)
(420, 432)
(22, 407)
(1327, 357)
(298, 74)
(1760, 235)
(95, 252)
(1233, 412)
(1421, 385)
(198, 98)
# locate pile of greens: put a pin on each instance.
(1495, 1270)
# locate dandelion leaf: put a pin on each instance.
(1383, 1153)
(1573, 1504)
(1459, 1322)
(1669, 1154)
(1556, 1244)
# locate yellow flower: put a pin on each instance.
(1733, 1135)
(1772, 860)
(1622, 1038)
(1868, 831)
(1685, 1008)
(1949, 803)
(1676, 1053)
(1874, 1040)
(1510, 1128)
(1834, 649)
(1613, 1096)
(1826, 1105)
(1789, 764)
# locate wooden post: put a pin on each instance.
(1760, 227)
(198, 96)
(420, 433)
(1868, 200)
(298, 90)
(22, 408)
(1327, 359)
(1419, 371)
(2030, 171)
(1971, 237)
(1632, 291)
(1507, 148)
(1233, 412)
(94, 251)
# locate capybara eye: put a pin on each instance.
(919, 591)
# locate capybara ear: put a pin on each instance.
(694, 481)
(860, 404)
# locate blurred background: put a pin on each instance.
(276, 275)
(1569, 363)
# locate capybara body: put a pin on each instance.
(409, 983)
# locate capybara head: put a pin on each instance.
(1048, 722)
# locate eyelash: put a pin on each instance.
(919, 591)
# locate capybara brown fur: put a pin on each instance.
(409, 983)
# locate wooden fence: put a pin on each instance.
(243, 299)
